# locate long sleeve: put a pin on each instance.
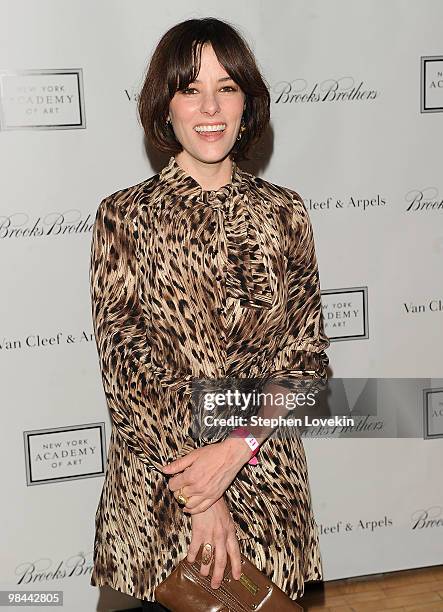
(301, 348)
(299, 363)
(122, 337)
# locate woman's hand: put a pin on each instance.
(206, 472)
(215, 526)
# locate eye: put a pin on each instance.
(188, 90)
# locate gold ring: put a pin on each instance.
(182, 499)
(207, 554)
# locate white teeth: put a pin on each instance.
(210, 128)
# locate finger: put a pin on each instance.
(201, 507)
(183, 492)
(178, 465)
(194, 547)
(205, 567)
(233, 548)
(220, 563)
(188, 490)
(193, 502)
(177, 482)
(184, 483)
(182, 480)
(196, 499)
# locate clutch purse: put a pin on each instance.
(186, 590)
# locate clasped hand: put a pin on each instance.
(204, 474)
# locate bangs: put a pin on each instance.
(184, 64)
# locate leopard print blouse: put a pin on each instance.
(189, 283)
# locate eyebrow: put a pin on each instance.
(228, 78)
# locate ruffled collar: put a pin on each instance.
(182, 183)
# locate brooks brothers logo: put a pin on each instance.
(64, 453)
(427, 518)
(431, 83)
(44, 569)
(345, 313)
(433, 413)
(352, 203)
(342, 89)
(424, 200)
(21, 225)
(42, 99)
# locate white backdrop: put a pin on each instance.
(357, 96)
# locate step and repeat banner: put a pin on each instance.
(356, 130)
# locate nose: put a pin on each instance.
(209, 104)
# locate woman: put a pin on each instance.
(202, 271)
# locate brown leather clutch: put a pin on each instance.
(186, 590)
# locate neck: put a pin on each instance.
(209, 175)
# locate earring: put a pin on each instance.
(168, 120)
(242, 129)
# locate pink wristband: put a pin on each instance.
(250, 441)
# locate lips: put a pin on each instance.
(210, 136)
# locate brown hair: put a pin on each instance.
(175, 64)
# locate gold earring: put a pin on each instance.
(242, 129)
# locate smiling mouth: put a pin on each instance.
(220, 127)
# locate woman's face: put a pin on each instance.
(212, 99)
